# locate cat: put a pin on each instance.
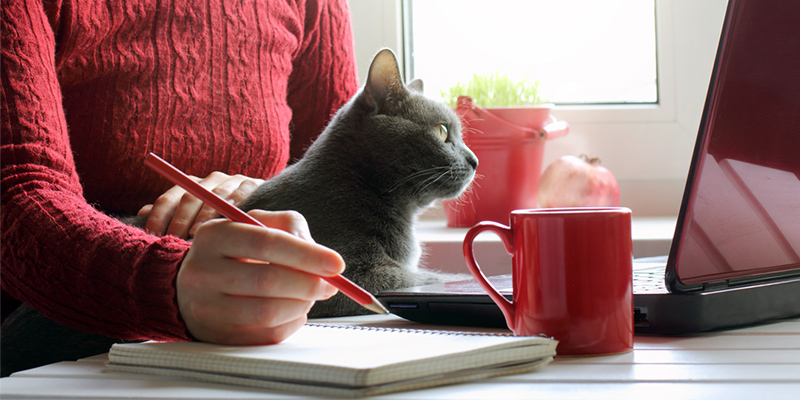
(385, 156)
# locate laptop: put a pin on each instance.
(735, 255)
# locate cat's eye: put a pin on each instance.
(441, 131)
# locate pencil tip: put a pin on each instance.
(376, 307)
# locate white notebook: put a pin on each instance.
(343, 360)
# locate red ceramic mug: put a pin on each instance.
(572, 276)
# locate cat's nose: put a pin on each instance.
(472, 160)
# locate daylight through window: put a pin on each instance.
(582, 51)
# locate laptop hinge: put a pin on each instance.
(715, 285)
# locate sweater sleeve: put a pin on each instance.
(324, 74)
(59, 254)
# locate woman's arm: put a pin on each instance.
(88, 271)
(60, 255)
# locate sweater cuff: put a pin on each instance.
(156, 293)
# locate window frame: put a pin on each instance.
(648, 147)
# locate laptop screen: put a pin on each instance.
(741, 210)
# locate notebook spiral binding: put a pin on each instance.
(417, 331)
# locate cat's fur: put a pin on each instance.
(360, 186)
(363, 182)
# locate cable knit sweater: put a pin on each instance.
(90, 87)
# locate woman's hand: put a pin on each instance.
(179, 213)
(243, 284)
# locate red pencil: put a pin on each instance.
(233, 213)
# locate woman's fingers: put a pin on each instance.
(244, 278)
(189, 206)
(251, 335)
(232, 311)
(276, 246)
(160, 213)
(179, 213)
(235, 190)
(245, 284)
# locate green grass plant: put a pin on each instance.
(496, 90)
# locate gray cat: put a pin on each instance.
(386, 155)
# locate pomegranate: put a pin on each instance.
(577, 182)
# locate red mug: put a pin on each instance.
(572, 276)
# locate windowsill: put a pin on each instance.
(442, 246)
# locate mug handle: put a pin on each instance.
(507, 236)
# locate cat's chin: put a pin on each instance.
(456, 192)
(454, 197)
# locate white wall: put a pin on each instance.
(376, 24)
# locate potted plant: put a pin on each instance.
(506, 124)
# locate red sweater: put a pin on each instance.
(90, 87)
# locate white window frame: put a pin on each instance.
(648, 147)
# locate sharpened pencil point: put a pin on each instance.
(376, 307)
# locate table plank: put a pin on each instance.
(672, 356)
(718, 342)
(679, 373)
(609, 391)
(80, 370)
(57, 388)
(761, 361)
(138, 387)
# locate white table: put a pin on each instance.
(759, 362)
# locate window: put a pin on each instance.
(646, 144)
(582, 51)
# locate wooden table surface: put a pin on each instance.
(757, 362)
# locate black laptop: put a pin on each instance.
(735, 256)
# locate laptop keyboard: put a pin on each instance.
(649, 279)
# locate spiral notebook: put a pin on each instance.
(343, 361)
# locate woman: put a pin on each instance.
(90, 88)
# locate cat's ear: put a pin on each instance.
(415, 85)
(384, 81)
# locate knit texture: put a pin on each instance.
(89, 88)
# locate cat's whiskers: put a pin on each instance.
(453, 173)
(466, 132)
(464, 198)
(429, 171)
(430, 180)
